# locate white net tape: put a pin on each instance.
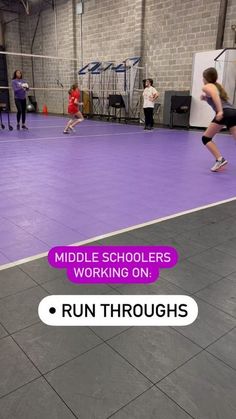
(49, 78)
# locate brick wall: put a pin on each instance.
(165, 32)
(12, 43)
(54, 36)
(230, 20)
(174, 31)
(177, 29)
(111, 29)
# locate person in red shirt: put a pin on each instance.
(73, 109)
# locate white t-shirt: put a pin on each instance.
(147, 94)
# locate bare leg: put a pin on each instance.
(233, 132)
(77, 121)
(68, 125)
(212, 130)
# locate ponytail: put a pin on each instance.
(211, 76)
(222, 92)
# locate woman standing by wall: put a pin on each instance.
(20, 86)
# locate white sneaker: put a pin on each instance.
(71, 129)
(218, 164)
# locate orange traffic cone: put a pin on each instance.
(45, 110)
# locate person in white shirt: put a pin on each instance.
(150, 94)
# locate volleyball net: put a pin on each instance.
(106, 86)
(49, 79)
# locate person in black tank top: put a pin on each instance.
(215, 95)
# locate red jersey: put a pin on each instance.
(73, 106)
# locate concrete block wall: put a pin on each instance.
(229, 35)
(165, 32)
(54, 37)
(175, 30)
(111, 29)
(12, 44)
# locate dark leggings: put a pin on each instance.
(21, 110)
(148, 112)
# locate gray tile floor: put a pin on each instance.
(128, 373)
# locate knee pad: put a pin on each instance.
(206, 140)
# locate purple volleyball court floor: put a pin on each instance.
(60, 189)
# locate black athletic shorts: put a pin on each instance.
(229, 118)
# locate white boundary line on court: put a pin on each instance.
(70, 136)
(140, 131)
(113, 233)
(57, 126)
